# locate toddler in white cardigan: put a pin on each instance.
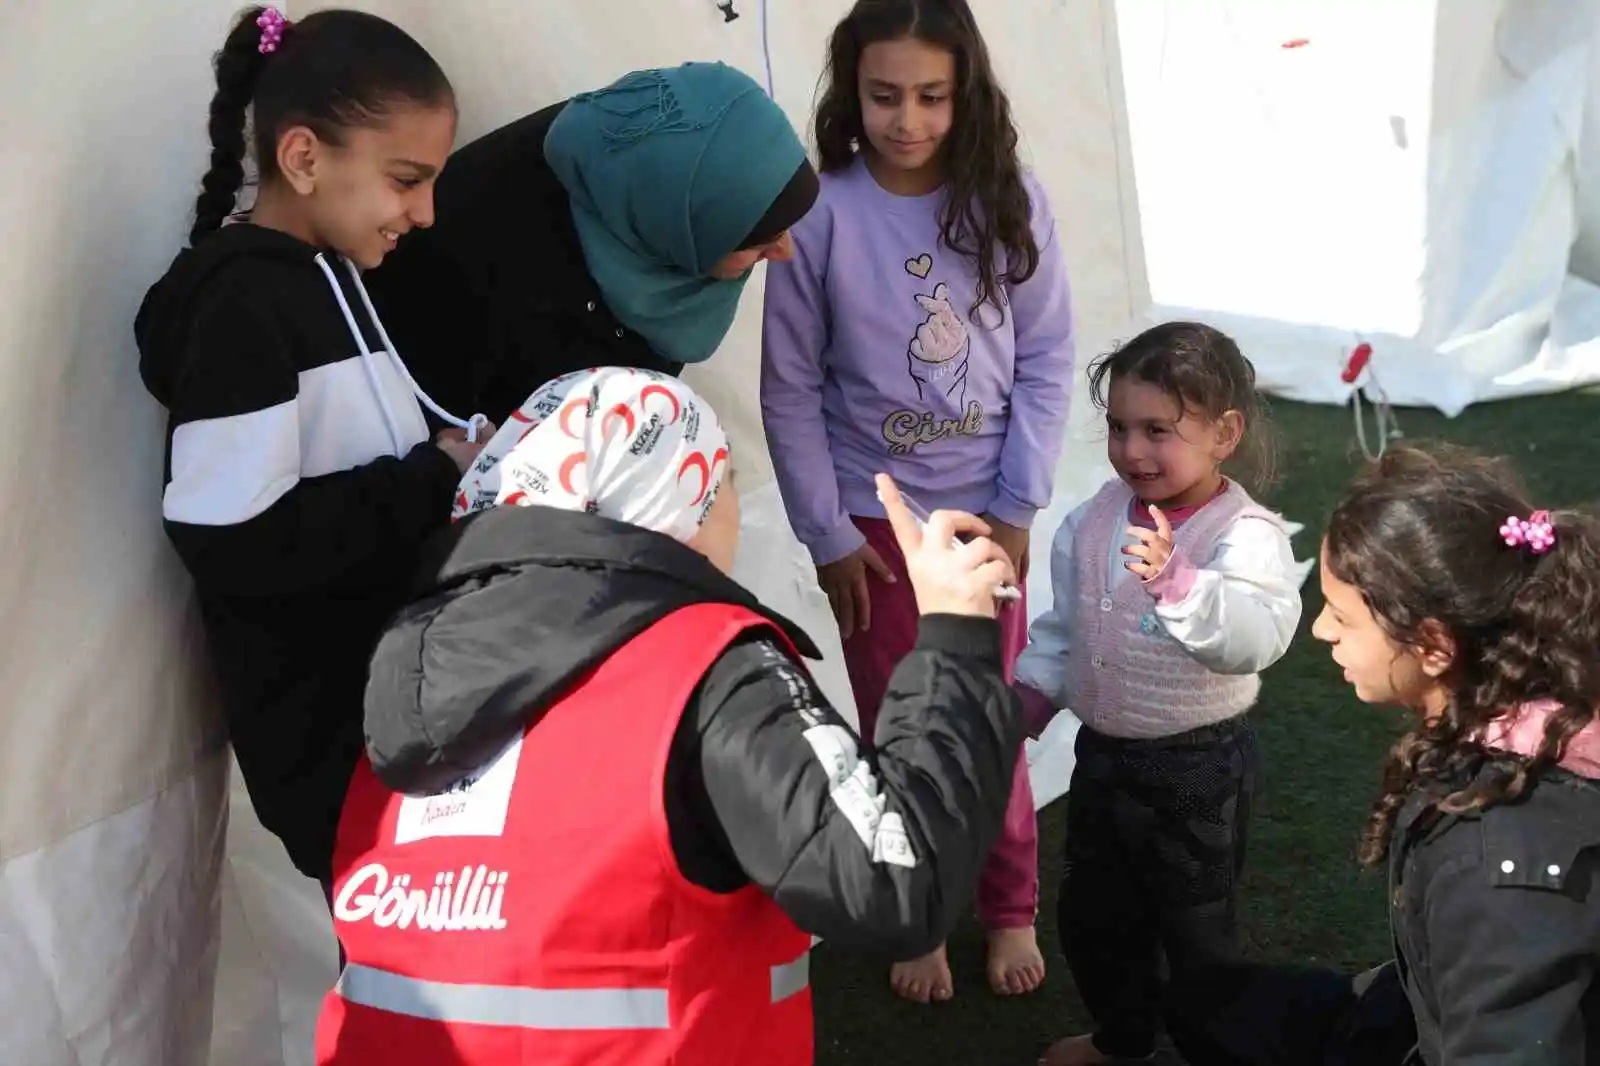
(1172, 590)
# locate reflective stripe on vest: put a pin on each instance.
(533, 1008)
(791, 978)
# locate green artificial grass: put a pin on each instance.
(1304, 899)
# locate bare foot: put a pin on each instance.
(1073, 1051)
(1015, 965)
(925, 979)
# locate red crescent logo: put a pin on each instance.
(698, 462)
(527, 431)
(653, 390)
(619, 411)
(568, 465)
(518, 416)
(461, 500)
(719, 456)
(515, 498)
(567, 411)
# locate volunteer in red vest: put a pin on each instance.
(605, 807)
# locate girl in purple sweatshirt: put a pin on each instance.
(923, 329)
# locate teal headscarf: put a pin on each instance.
(668, 172)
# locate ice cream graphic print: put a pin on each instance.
(940, 348)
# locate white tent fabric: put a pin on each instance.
(123, 890)
(1586, 249)
(1314, 175)
(111, 755)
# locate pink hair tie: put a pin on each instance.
(1535, 532)
(272, 24)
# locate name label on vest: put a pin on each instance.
(468, 903)
(475, 806)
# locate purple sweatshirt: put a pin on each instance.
(872, 363)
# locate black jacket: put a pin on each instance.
(524, 600)
(1496, 923)
(301, 539)
(496, 299)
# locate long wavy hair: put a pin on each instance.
(988, 208)
(1418, 535)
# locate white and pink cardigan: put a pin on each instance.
(1144, 659)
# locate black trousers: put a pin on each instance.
(1244, 1014)
(1155, 846)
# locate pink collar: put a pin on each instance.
(1139, 511)
(1522, 731)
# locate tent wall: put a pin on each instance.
(1311, 175)
(1586, 250)
(110, 751)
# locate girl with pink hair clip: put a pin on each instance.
(1449, 595)
(305, 466)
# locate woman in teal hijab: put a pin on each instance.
(671, 173)
(617, 228)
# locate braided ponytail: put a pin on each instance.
(238, 66)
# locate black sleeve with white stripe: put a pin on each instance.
(236, 508)
(877, 851)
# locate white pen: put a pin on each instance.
(1009, 593)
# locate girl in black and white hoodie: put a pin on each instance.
(302, 473)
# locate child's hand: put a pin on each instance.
(1037, 709)
(1154, 548)
(845, 583)
(1014, 539)
(453, 442)
(486, 432)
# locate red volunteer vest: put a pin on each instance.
(536, 914)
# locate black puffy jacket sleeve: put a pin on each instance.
(876, 848)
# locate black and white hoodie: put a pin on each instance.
(301, 481)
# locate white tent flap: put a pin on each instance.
(111, 826)
(1312, 175)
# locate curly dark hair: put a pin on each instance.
(1201, 369)
(1418, 535)
(988, 207)
(333, 70)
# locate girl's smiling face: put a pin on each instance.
(361, 194)
(1166, 455)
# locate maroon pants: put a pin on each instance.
(1008, 889)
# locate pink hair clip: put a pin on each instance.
(1535, 532)
(272, 24)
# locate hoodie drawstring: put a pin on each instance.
(471, 425)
